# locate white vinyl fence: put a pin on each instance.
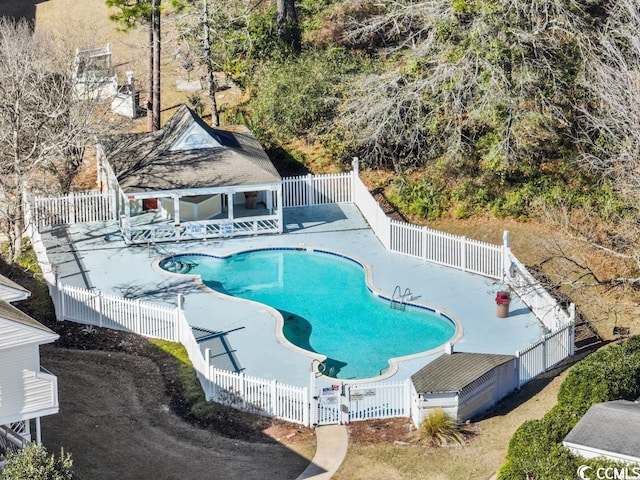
(306, 190)
(73, 208)
(535, 296)
(255, 395)
(269, 397)
(447, 249)
(93, 307)
(544, 354)
(260, 396)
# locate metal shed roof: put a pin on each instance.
(451, 373)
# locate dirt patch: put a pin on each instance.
(226, 421)
(116, 420)
(390, 431)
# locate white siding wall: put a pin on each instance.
(23, 390)
(448, 401)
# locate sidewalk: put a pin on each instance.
(332, 443)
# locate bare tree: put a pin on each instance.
(613, 79)
(212, 80)
(44, 126)
(610, 140)
(130, 14)
(32, 103)
(489, 94)
(156, 54)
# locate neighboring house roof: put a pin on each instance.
(187, 153)
(604, 431)
(10, 291)
(451, 373)
(18, 328)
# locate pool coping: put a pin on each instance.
(316, 358)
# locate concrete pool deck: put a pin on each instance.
(241, 335)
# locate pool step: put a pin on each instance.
(398, 300)
(178, 266)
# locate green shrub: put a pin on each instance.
(421, 197)
(34, 463)
(296, 95)
(535, 448)
(536, 451)
(610, 374)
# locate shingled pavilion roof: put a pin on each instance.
(167, 160)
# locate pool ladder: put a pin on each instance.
(399, 299)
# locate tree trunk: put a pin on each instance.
(211, 76)
(287, 21)
(18, 230)
(150, 79)
(156, 65)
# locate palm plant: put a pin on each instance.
(439, 429)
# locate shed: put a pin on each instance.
(604, 431)
(463, 384)
(189, 180)
(93, 73)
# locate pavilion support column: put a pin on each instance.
(269, 201)
(125, 223)
(280, 210)
(230, 205)
(176, 210)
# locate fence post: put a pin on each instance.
(243, 389)
(207, 360)
(61, 297)
(343, 411)
(506, 248)
(274, 398)
(306, 407)
(112, 213)
(463, 254)
(407, 398)
(138, 318)
(572, 319)
(355, 173)
(99, 307)
(310, 192)
(517, 375)
(177, 323)
(312, 405)
(71, 211)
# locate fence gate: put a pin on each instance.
(332, 406)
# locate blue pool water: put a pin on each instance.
(326, 305)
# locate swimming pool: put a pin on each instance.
(326, 305)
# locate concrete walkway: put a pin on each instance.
(331, 447)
